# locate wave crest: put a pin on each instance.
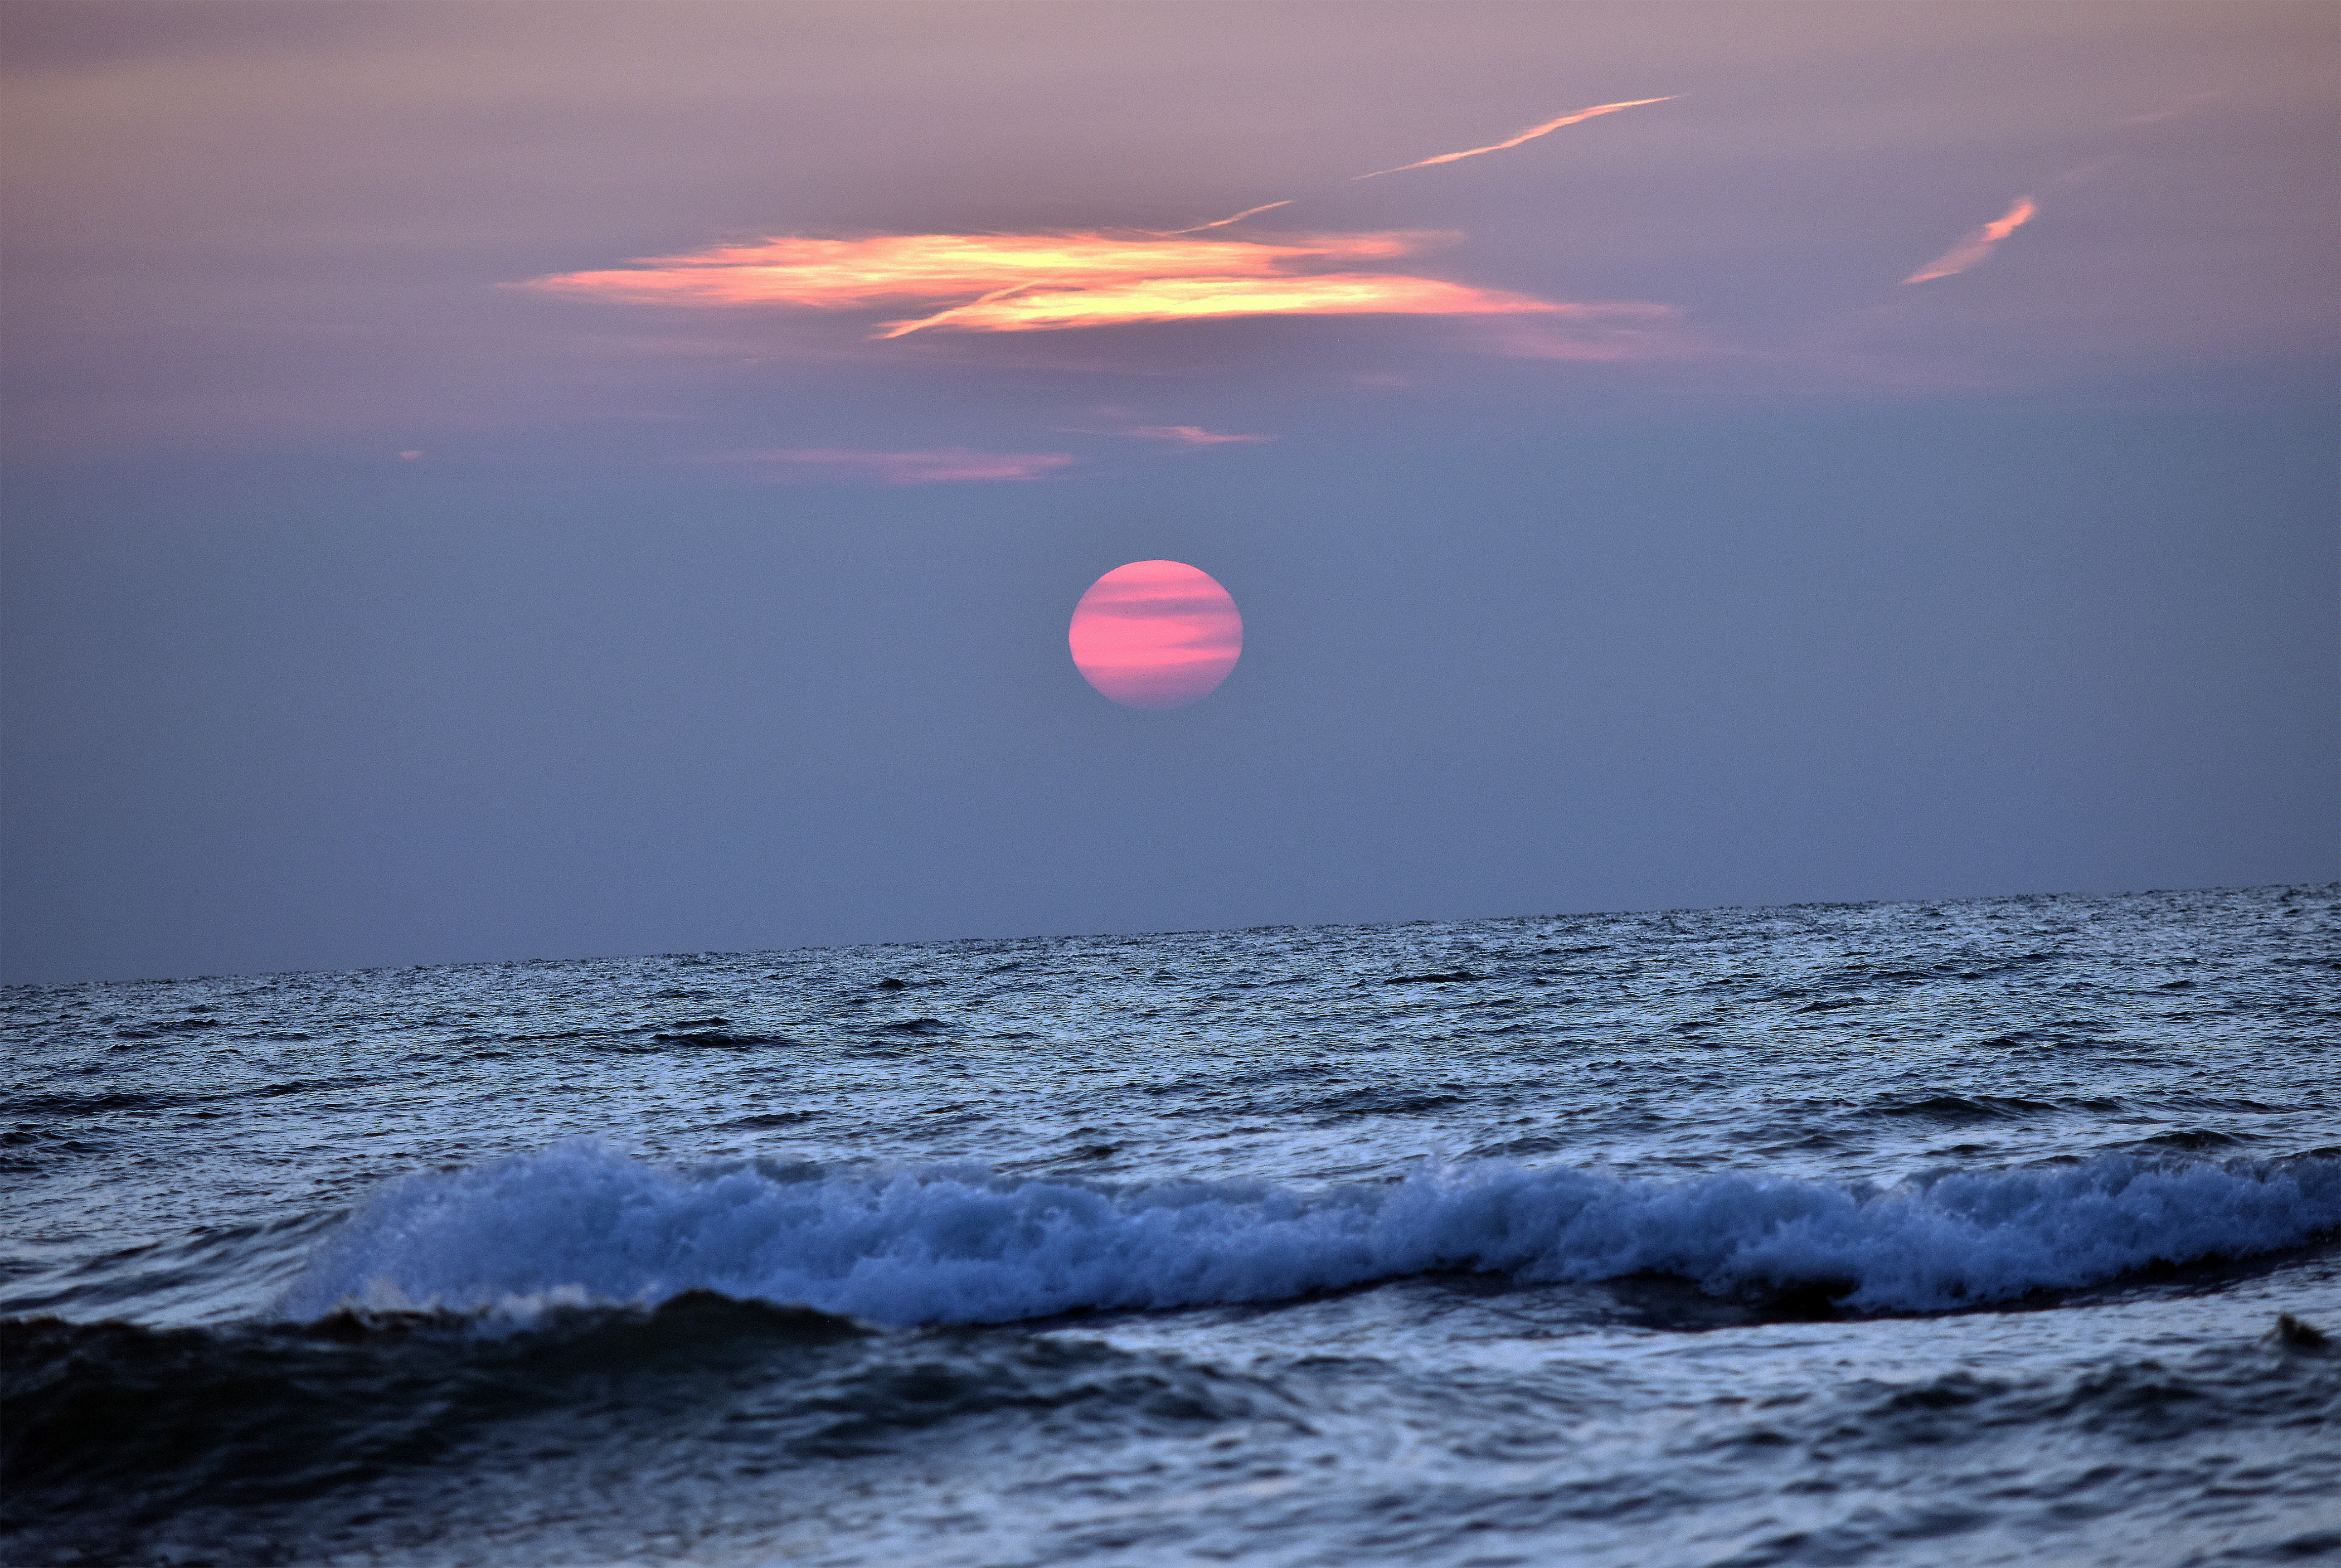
(955, 1244)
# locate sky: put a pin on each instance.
(516, 479)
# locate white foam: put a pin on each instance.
(957, 1244)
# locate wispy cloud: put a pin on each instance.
(1223, 223)
(1530, 135)
(2180, 107)
(1029, 283)
(1125, 422)
(1976, 245)
(1188, 434)
(1611, 333)
(936, 465)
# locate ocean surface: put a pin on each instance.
(1994, 1232)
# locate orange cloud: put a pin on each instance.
(937, 466)
(1028, 282)
(844, 274)
(1976, 245)
(1530, 135)
(1194, 298)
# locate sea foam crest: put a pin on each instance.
(957, 1244)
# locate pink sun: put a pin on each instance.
(1156, 634)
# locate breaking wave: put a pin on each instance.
(956, 1243)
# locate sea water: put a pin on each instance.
(1942, 1234)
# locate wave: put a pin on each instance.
(957, 1244)
(292, 1442)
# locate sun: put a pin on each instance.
(1156, 634)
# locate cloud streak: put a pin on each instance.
(1614, 334)
(1223, 223)
(1976, 245)
(1531, 134)
(1034, 283)
(935, 465)
(1123, 422)
(1189, 434)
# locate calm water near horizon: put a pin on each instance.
(1913, 1233)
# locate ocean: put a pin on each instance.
(1992, 1231)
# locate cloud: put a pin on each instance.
(1976, 245)
(2180, 107)
(883, 269)
(1124, 422)
(936, 465)
(1223, 223)
(1188, 434)
(1195, 298)
(1032, 283)
(1624, 331)
(1530, 135)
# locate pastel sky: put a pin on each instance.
(538, 478)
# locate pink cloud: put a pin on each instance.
(1976, 245)
(935, 465)
(1189, 434)
(1576, 116)
(1236, 218)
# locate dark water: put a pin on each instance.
(1945, 1233)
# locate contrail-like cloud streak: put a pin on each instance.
(1190, 435)
(935, 466)
(1976, 245)
(1223, 223)
(1530, 135)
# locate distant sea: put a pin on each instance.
(1997, 1231)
